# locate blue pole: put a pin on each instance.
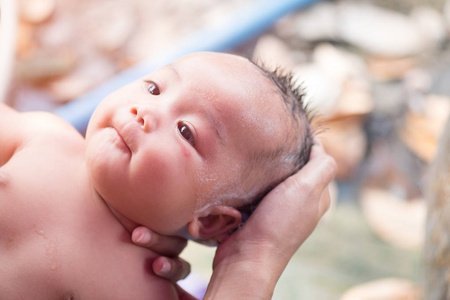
(242, 26)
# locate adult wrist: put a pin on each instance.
(250, 272)
(248, 280)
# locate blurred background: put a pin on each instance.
(376, 75)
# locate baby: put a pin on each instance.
(182, 151)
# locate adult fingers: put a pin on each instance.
(165, 245)
(311, 180)
(295, 205)
(173, 269)
(324, 202)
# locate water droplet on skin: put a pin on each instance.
(52, 252)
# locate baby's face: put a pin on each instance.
(165, 147)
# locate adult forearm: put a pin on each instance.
(250, 272)
(241, 281)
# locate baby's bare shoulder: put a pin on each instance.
(47, 123)
(44, 129)
(24, 124)
(21, 130)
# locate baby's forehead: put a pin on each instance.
(227, 77)
(221, 63)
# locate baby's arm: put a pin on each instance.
(10, 139)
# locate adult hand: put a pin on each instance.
(169, 265)
(249, 263)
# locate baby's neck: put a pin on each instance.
(128, 224)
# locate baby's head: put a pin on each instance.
(186, 148)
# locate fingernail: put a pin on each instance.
(165, 268)
(144, 237)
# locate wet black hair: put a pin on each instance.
(301, 138)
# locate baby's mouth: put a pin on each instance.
(121, 143)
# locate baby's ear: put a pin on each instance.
(214, 223)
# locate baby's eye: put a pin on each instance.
(186, 133)
(153, 88)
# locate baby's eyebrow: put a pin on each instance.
(174, 71)
(217, 128)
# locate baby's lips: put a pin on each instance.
(131, 132)
(120, 142)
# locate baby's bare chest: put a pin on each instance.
(34, 221)
(35, 188)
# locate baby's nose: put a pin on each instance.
(144, 118)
